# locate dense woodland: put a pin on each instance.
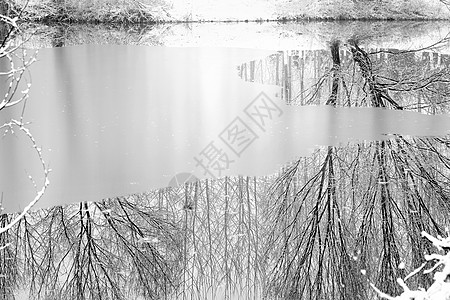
(160, 11)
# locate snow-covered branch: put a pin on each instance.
(46, 171)
(13, 92)
(440, 289)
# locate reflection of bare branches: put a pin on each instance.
(222, 240)
(116, 249)
(307, 236)
(9, 271)
(153, 267)
(391, 257)
(350, 76)
(379, 97)
(324, 218)
(361, 208)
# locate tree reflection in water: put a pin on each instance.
(305, 233)
(364, 206)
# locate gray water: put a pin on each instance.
(116, 120)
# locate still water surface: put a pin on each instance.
(116, 120)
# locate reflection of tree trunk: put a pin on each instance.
(306, 273)
(391, 258)
(287, 77)
(277, 69)
(252, 71)
(302, 78)
(58, 39)
(335, 73)
(379, 95)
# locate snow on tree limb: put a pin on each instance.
(440, 289)
(11, 97)
(46, 171)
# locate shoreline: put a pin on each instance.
(49, 13)
(59, 20)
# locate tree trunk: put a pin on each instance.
(4, 28)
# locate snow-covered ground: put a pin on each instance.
(223, 10)
(220, 10)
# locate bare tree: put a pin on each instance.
(12, 78)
